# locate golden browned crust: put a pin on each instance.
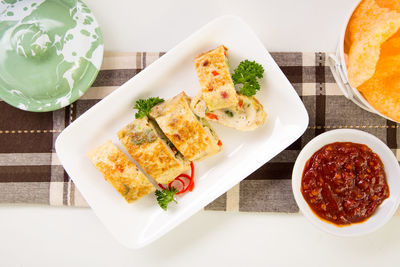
(215, 80)
(184, 130)
(154, 156)
(120, 172)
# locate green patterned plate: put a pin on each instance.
(50, 52)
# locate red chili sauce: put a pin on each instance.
(344, 183)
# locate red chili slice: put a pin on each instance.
(212, 116)
(219, 143)
(190, 178)
(179, 180)
(184, 189)
(215, 73)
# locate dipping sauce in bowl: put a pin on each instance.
(344, 183)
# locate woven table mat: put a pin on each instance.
(30, 172)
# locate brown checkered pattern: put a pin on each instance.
(31, 173)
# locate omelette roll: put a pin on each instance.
(152, 150)
(215, 80)
(192, 136)
(247, 115)
(120, 172)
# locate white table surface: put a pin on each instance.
(48, 236)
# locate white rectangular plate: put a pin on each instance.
(136, 225)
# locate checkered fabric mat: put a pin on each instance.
(30, 172)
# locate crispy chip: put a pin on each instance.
(369, 27)
(391, 4)
(392, 46)
(382, 91)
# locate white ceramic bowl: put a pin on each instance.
(383, 213)
(338, 67)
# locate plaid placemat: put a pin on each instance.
(31, 173)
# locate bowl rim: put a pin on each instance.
(340, 135)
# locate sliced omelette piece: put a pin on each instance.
(247, 115)
(155, 154)
(215, 80)
(120, 172)
(193, 137)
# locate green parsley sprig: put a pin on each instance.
(145, 105)
(247, 74)
(166, 196)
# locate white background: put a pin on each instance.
(44, 236)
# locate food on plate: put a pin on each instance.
(246, 76)
(215, 80)
(247, 115)
(149, 147)
(120, 172)
(382, 90)
(369, 27)
(167, 136)
(191, 136)
(344, 183)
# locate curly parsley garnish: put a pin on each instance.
(247, 74)
(165, 196)
(145, 105)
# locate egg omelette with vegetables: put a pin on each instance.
(167, 136)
